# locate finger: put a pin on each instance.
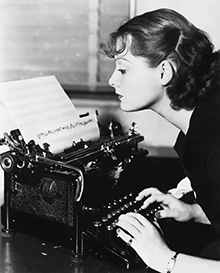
(125, 237)
(166, 213)
(128, 224)
(165, 199)
(133, 223)
(144, 224)
(147, 192)
(139, 220)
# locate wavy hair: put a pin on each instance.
(166, 34)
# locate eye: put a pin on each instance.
(122, 71)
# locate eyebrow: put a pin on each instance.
(121, 58)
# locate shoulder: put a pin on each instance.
(204, 128)
(205, 118)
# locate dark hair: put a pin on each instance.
(165, 34)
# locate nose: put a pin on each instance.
(112, 80)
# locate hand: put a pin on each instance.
(172, 207)
(147, 240)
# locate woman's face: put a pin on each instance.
(138, 86)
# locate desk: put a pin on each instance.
(24, 253)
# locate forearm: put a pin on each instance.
(198, 214)
(190, 264)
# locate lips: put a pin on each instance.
(120, 97)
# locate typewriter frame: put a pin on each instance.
(21, 158)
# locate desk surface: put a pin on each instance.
(25, 253)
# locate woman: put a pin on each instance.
(166, 64)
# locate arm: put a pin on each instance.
(150, 245)
(198, 214)
(190, 264)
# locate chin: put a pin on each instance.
(128, 108)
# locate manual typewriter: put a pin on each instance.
(82, 188)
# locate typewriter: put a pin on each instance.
(82, 188)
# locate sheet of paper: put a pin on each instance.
(44, 113)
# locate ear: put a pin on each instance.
(166, 72)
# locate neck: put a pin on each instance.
(179, 118)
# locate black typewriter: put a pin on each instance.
(82, 188)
